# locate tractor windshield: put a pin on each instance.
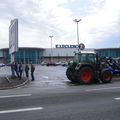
(85, 57)
(89, 58)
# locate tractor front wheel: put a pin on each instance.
(70, 75)
(106, 76)
(85, 75)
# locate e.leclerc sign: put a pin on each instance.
(67, 46)
(81, 46)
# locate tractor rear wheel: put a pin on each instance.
(106, 76)
(85, 75)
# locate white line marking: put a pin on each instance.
(20, 110)
(103, 88)
(46, 77)
(11, 96)
(117, 98)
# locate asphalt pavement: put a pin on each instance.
(92, 102)
(52, 97)
(46, 80)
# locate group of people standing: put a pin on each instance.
(19, 69)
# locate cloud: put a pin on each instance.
(102, 22)
(40, 18)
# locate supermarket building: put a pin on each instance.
(59, 53)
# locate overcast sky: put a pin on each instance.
(38, 19)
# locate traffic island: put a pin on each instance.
(12, 82)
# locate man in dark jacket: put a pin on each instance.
(32, 72)
(20, 70)
(27, 70)
(16, 69)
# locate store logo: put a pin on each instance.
(66, 46)
(81, 46)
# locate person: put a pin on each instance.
(32, 72)
(16, 69)
(27, 70)
(20, 70)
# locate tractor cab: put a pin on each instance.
(84, 58)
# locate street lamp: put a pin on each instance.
(51, 46)
(77, 21)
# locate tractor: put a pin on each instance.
(86, 68)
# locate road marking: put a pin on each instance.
(117, 98)
(20, 110)
(11, 96)
(109, 88)
(46, 77)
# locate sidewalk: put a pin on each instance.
(9, 83)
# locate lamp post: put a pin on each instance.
(77, 21)
(51, 47)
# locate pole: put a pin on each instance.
(12, 57)
(51, 48)
(77, 21)
(77, 34)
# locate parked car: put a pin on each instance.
(2, 64)
(51, 64)
(58, 63)
(43, 63)
(64, 63)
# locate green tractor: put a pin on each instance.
(87, 68)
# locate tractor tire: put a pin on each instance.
(106, 76)
(70, 75)
(85, 75)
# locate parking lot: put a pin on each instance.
(49, 76)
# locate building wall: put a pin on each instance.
(58, 54)
(109, 52)
(28, 55)
(25, 55)
(57, 59)
(37, 55)
(61, 54)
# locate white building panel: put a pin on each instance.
(62, 52)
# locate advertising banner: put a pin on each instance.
(13, 36)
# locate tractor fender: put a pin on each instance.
(105, 69)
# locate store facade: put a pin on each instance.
(66, 53)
